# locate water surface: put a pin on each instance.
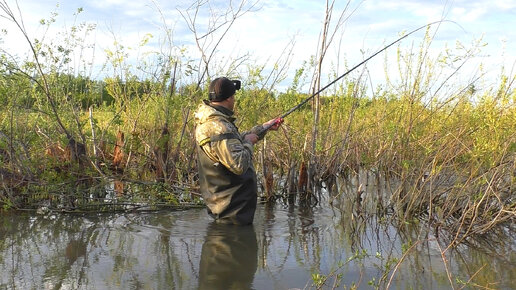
(286, 248)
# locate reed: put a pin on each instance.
(446, 150)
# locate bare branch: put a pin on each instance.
(208, 41)
(19, 23)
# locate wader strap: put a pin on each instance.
(218, 138)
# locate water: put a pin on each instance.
(285, 249)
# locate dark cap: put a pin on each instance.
(223, 88)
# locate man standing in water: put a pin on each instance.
(226, 172)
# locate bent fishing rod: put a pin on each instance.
(280, 119)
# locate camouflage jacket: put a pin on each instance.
(235, 154)
(227, 178)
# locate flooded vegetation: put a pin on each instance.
(336, 246)
(346, 241)
(406, 184)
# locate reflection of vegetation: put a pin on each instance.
(433, 256)
(162, 249)
(89, 251)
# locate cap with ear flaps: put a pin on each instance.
(223, 88)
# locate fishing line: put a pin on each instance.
(267, 127)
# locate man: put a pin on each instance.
(226, 173)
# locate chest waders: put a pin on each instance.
(220, 187)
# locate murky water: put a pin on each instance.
(285, 249)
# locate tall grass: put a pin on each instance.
(446, 150)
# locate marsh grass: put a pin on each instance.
(446, 150)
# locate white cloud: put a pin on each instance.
(464, 14)
(505, 4)
(110, 4)
(265, 33)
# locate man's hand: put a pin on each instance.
(274, 124)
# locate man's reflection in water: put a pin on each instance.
(229, 257)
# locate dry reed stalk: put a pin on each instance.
(118, 152)
(473, 276)
(446, 267)
(161, 154)
(401, 260)
(303, 178)
(268, 176)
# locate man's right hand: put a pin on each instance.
(251, 137)
(273, 124)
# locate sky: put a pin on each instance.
(283, 31)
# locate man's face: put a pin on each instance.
(231, 102)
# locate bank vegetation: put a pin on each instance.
(444, 151)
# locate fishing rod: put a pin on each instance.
(280, 119)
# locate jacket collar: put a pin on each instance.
(222, 110)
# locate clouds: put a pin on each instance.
(422, 10)
(467, 15)
(266, 30)
(505, 4)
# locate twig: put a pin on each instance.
(401, 260)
